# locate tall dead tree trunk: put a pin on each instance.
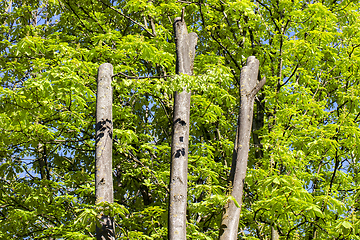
(249, 86)
(185, 53)
(103, 151)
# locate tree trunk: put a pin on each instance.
(274, 234)
(249, 86)
(103, 151)
(185, 53)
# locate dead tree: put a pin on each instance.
(103, 149)
(185, 53)
(249, 87)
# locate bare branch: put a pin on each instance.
(258, 86)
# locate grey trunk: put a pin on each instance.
(103, 151)
(185, 53)
(274, 234)
(249, 86)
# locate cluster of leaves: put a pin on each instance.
(304, 160)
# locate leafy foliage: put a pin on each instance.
(304, 158)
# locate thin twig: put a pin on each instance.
(135, 77)
(125, 16)
(182, 14)
(207, 108)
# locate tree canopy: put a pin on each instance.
(303, 167)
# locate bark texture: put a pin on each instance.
(274, 234)
(185, 53)
(103, 151)
(185, 47)
(249, 86)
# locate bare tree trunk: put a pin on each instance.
(185, 52)
(274, 234)
(249, 86)
(103, 151)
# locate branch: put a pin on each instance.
(152, 26)
(258, 86)
(182, 14)
(164, 107)
(79, 18)
(218, 42)
(292, 74)
(356, 117)
(133, 157)
(226, 50)
(132, 20)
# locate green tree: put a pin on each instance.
(303, 168)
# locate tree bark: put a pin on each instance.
(274, 234)
(103, 151)
(185, 53)
(249, 86)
